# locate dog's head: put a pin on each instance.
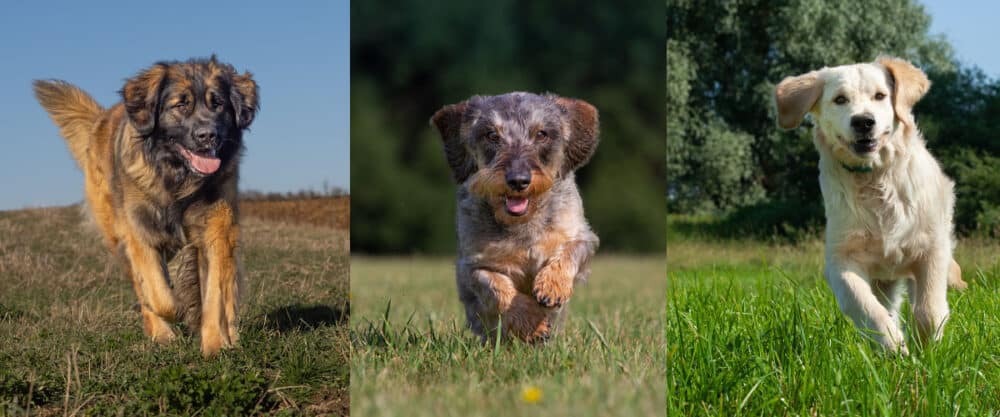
(191, 115)
(510, 149)
(857, 108)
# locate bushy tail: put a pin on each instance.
(73, 110)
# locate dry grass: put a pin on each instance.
(71, 341)
(333, 212)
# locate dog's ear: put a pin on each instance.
(795, 96)
(243, 94)
(583, 135)
(141, 96)
(909, 86)
(448, 122)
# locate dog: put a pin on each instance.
(522, 236)
(160, 178)
(888, 203)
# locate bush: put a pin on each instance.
(786, 221)
(977, 190)
(179, 391)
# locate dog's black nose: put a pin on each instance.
(862, 124)
(204, 135)
(518, 181)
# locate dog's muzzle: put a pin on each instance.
(863, 126)
(864, 146)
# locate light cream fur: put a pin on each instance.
(889, 229)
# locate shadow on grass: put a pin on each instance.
(302, 318)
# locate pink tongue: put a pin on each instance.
(517, 205)
(203, 164)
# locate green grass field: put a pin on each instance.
(752, 329)
(416, 358)
(71, 341)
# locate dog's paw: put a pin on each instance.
(553, 285)
(540, 334)
(157, 329)
(213, 340)
(527, 320)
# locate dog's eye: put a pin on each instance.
(492, 135)
(879, 96)
(840, 100)
(216, 103)
(181, 104)
(541, 134)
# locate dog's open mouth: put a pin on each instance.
(516, 206)
(864, 146)
(205, 163)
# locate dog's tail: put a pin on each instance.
(73, 110)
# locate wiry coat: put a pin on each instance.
(518, 262)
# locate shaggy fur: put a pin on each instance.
(523, 240)
(888, 203)
(160, 174)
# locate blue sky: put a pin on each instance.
(972, 29)
(297, 51)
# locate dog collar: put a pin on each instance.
(864, 169)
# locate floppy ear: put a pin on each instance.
(243, 94)
(583, 135)
(795, 96)
(141, 96)
(910, 85)
(448, 122)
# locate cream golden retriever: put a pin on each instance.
(888, 203)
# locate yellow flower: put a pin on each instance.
(531, 394)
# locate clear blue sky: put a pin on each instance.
(972, 28)
(298, 52)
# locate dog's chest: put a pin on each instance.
(521, 258)
(879, 228)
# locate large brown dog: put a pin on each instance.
(523, 241)
(160, 174)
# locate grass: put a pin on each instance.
(412, 355)
(71, 341)
(752, 329)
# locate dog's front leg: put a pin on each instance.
(929, 295)
(156, 301)
(219, 294)
(520, 315)
(857, 300)
(553, 284)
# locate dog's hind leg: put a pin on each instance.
(858, 301)
(519, 313)
(890, 295)
(185, 276)
(955, 277)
